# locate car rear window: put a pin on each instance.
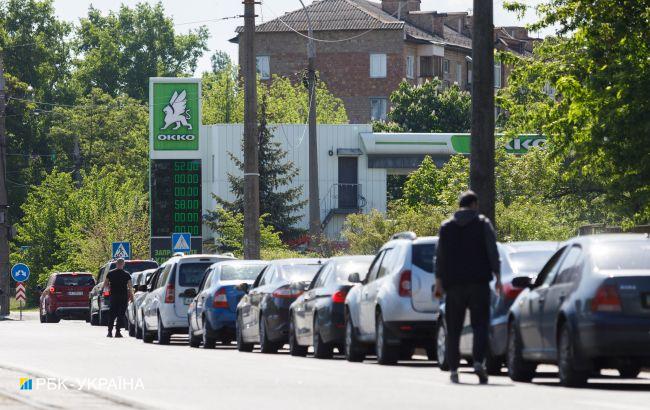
(622, 256)
(136, 266)
(74, 280)
(191, 274)
(299, 273)
(423, 256)
(241, 272)
(345, 269)
(530, 261)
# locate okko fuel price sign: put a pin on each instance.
(175, 168)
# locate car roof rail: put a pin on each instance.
(404, 235)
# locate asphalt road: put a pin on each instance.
(178, 377)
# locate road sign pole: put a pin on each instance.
(21, 310)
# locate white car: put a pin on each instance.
(139, 280)
(393, 307)
(172, 289)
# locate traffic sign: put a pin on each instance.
(20, 292)
(20, 272)
(121, 250)
(181, 242)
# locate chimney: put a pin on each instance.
(400, 8)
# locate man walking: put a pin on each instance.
(118, 281)
(466, 260)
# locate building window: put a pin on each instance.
(378, 109)
(497, 74)
(377, 65)
(459, 74)
(264, 67)
(445, 66)
(469, 73)
(410, 67)
(426, 66)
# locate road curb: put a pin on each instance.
(72, 386)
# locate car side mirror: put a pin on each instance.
(244, 287)
(522, 282)
(354, 278)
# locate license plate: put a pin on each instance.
(187, 301)
(75, 293)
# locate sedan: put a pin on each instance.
(212, 313)
(263, 313)
(317, 317)
(588, 309)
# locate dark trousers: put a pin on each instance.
(117, 313)
(476, 298)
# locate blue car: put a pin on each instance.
(213, 312)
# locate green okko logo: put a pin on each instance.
(176, 116)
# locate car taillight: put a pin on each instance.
(220, 299)
(405, 283)
(107, 293)
(52, 290)
(606, 300)
(510, 292)
(169, 293)
(287, 292)
(339, 296)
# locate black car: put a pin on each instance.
(99, 301)
(317, 317)
(263, 313)
(517, 259)
(588, 309)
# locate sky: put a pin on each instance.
(188, 13)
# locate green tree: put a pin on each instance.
(220, 61)
(121, 50)
(229, 227)
(428, 108)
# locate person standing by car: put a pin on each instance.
(118, 281)
(466, 259)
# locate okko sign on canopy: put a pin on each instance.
(174, 105)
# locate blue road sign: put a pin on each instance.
(20, 272)
(122, 250)
(181, 242)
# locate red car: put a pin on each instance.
(65, 296)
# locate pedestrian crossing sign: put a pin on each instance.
(181, 242)
(122, 250)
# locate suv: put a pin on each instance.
(172, 288)
(99, 302)
(65, 296)
(393, 307)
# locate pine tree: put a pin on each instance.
(280, 205)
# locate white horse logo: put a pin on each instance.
(176, 111)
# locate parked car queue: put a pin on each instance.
(583, 305)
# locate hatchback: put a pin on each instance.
(139, 281)
(65, 296)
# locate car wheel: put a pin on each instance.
(266, 346)
(51, 317)
(566, 361)
(41, 316)
(208, 341)
(441, 345)
(138, 329)
(194, 341)
(94, 317)
(131, 328)
(354, 351)
(164, 337)
(147, 336)
(519, 369)
(629, 371)
(241, 345)
(103, 318)
(322, 350)
(294, 348)
(385, 354)
(493, 363)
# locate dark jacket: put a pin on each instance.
(467, 250)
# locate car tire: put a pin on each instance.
(94, 317)
(163, 336)
(354, 350)
(322, 350)
(51, 317)
(103, 318)
(519, 369)
(241, 345)
(294, 348)
(138, 329)
(629, 371)
(208, 341)
(266, 346)
(147, 336)
(131, 328)
(493, 364)
(441, 345)
(570, 375)
(41, 316)
(194, 341)
(386, 354)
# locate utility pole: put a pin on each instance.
(251, 145)
(482, 145)
(314, 197)
(4, 204)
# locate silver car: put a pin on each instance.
(393, 307)
(139, 281)
(164, 309)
